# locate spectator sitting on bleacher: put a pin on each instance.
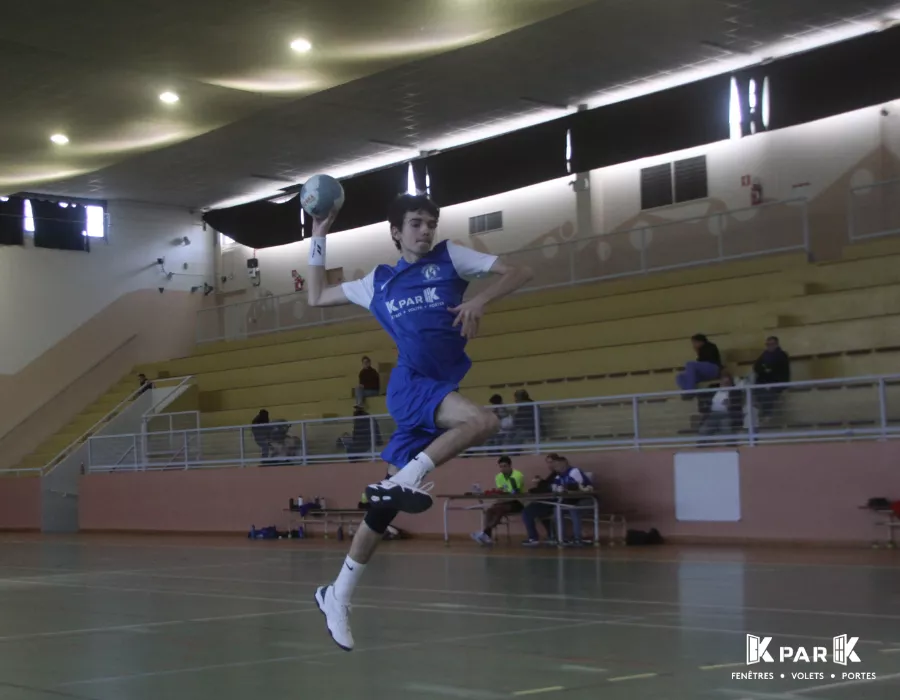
(507, 421)
(262, 432)
(726, 410)
(510, 481)
(363, 439)
(707, 367)
(772, 367)
(369, 382)
(282, 444)
(523, 419)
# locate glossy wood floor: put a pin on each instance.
(141, 618)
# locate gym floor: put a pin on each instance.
(144, 618)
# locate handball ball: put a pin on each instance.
(321, 195)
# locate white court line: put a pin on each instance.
(530, 554)
(576, 668)
(306, 657)
(451, 691)
(579, 599)
(146, 625)
(470, 610)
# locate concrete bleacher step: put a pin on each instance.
(597, 290)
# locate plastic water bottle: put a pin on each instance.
(340, 533)
(322, 503)
(252, 534)
(299, 501)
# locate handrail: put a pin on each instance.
(69, 385)
(53, 463)
(863, 379)
(184, 380)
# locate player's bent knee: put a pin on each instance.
(487, 424)
(378, 519)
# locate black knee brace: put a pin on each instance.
(378, 519)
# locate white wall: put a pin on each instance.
(47, 294)
(820, 154)
(529, 215)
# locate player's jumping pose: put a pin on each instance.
(419, 302)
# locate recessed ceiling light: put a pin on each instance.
(301, 45)
(60, 139)
(169, 97)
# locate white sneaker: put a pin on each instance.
(482, 539)
(337, 617)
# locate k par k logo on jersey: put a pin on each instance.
(427, 299)
(759, 650)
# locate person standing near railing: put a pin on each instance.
(419, 302)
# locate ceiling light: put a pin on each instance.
(301, 45)
(169, 98)
(60, 139)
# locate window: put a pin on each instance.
(95, 215)
(96, 222)
(485, 222)
(674, 183)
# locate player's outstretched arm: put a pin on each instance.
(509, 279)
(319, 293)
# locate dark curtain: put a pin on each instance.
(60, 228)
(368, 196)
(508, 162)
(259, 224)
(12, 224)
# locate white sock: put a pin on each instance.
(346, 581)
(413, 473)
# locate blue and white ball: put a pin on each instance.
(321, 195)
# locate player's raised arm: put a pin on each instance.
(319, 293)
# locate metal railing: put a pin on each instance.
(111, 415)
(873, 210)
(770, 228)
(859, 408)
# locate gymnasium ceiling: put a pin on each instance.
(384, 79)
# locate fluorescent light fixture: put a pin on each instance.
(765, 103)
(60, 139)
(95, 222)
(28, 222)
(410, 180)
(301, 45)
(734, 111)
(4, 199)
(169, 97)
(752, 96)
(427, 182)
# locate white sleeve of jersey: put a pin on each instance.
(361, 291)
(470, 264)
(577, 476)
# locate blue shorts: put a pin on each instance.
(413, 400)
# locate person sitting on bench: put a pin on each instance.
(510, 481)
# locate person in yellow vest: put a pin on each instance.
(509, 481)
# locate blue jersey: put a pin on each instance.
(412, 300)
(572, 478)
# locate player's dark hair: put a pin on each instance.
(504, 460)
(406, 203)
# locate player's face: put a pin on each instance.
(418, 232)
